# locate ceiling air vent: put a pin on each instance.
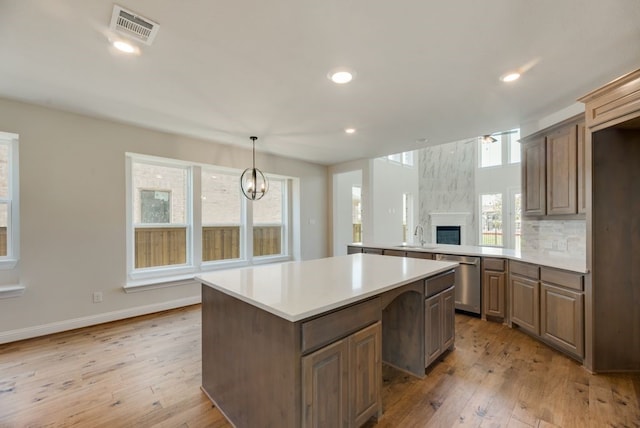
(134, 26)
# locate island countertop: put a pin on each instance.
(298, 290)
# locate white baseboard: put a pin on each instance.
(58, 326)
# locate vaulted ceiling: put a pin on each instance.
(224, 70)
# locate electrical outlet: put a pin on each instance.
(97, 296)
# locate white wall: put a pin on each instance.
(342, 209)
(72, 196)
(390, 181)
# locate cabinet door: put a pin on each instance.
(525, 303)
(365, 364)
(533, 177)
(562, 171)
(325, 386)
(493, 292)
(582, 178)
(562, 318)
(432, 328)
(448, 318)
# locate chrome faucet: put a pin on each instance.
(421, 237)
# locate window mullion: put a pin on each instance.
(196, 216)
(248, 229)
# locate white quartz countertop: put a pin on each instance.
(551, 260)
(298, 290)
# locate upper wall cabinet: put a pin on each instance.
(553, 170)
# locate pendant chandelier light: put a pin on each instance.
(253, 183)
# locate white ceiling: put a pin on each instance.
(226, 69)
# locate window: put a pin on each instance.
(9, 218)
(494, 153)
(221, 215)
(404, 158)
(268, 226)
(186, 218)
(160, 214)
(490, 151)
(491, 219)
(514, 146)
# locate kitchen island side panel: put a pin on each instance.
(251, 364)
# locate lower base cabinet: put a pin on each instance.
(439, 318)
(562, 320)
(525, 303)
(346, 371)
(549, 303)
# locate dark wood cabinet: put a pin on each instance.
(562, 318)
(396, 253)
(612, 298)
(494, 285)
(449, 319)
(534, 178)
(582, 169)
(439, 318)
(562, 171)
(352, 249)
(420, 255)
(365, 367)
(433, 311)
(553, 170)
(372, 250)
(524, 289)
(325, 386)
(525, 303)
(346, 371)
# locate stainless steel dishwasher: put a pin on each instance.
(467, 281)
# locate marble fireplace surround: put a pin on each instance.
(461, 219)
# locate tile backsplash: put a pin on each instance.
(567, 238)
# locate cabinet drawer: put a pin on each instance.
(494, 264)
(397, 253)
(336, 325)
(562, 278)
(420, 255)
(372, 251)
(439, 283)
(524, 269)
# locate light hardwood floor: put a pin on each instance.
(146, 372)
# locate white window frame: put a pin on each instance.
(152, 276)
(12, 201)
(136, 274)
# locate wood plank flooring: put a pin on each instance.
(145, 372)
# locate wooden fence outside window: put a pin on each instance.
(164, 246)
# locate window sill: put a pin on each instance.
(8, 264)
(7, 291)
(156, 283)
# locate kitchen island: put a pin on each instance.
(302, 343)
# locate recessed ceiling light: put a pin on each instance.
(341, 76)
(350, 130)
(125, 47)
(510, 77)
